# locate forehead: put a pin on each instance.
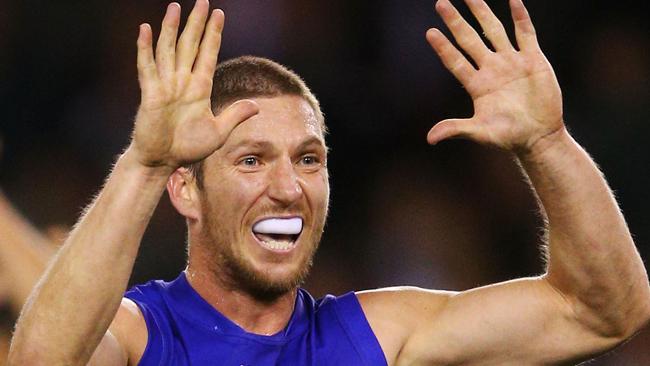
(282, 118)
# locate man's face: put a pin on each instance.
(265, 197)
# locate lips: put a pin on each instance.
(278, 234)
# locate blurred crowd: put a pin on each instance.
(453, 216)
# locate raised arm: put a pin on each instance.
(595, 293)
(72, 307)
(24, 253)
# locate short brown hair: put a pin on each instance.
(250, 77)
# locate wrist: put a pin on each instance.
(130, 159)
(546, 146)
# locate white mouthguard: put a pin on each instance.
(290, 226)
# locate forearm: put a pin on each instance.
(76, 300)
(592, 258)
(24, 253)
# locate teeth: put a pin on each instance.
(290, 226)
(278, 245)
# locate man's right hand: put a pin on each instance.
(175, 124)
(77, 311)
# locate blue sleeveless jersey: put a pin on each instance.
(185, 330)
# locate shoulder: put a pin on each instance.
(130, 327)
(150, 302)
(124, 341)
(395, 313)
(130, 330)
(142, 321)
(404, 305)
(149, 291)
(340, 327)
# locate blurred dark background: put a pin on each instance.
(453, 216)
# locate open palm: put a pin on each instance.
(517, 99)
(175, 124)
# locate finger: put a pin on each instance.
(166, 46)
(464, 34)
(231, 117)
(209, 49)
(524, 29)
(188, 43)
(492, 27)
(453, 60)
(147, 73)
(451, 128)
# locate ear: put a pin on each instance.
(183, 193)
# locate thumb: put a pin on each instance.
(233, 115)
(450, 129)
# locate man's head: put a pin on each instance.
(256, 207)
(250, 77)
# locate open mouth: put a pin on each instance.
(278, 234)
(277, 242)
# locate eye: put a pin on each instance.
(249, 161)
(309, 160)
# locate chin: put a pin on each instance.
(267, 284)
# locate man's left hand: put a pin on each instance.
(516, 96)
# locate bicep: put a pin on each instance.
(523, 321)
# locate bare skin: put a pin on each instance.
(273, 164)
(24, 253)
(594, 295)
(80, 295)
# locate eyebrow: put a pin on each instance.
(313, 141)
(263, 144)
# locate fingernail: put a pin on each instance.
(173, 7)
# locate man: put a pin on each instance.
(251, 179)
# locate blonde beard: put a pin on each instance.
(234, 271)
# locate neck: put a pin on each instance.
(259, 316)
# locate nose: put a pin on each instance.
(284, 185)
